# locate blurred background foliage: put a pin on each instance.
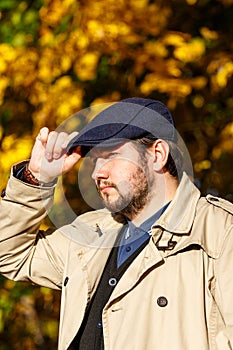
(59, 56)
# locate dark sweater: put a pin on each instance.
(90, 335)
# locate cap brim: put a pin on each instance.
(123, 121)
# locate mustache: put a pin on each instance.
(101, 183)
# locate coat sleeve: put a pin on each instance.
(224, 285)
(26, 252)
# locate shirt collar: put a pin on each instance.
(145, 227)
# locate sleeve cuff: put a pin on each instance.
(22, 173)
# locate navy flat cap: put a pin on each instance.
(129, 119)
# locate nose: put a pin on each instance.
(100, 170)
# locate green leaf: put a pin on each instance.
(7, 4)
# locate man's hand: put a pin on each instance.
(49, 158)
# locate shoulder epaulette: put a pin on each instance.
(221, 203)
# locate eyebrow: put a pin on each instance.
(98, 151)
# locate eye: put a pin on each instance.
(113, 155)
(106, 156)
(93, 160)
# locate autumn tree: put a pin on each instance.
(60, 56)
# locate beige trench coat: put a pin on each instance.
(194, 278)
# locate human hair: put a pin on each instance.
(174, 163)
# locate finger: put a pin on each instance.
(38, 149)
(72, 159)
(52, 138)
(60, 145)
(69, 138)
(43, 135)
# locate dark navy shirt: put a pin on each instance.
(133, 237)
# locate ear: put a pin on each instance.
(160, 151)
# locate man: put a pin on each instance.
(151, 271)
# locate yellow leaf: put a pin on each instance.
(191, 2)
(155, 49)
(138, 4)
(85, 67)
(209, 34)
(226, 142)
(174, 39)
(224, 74)
(8, 53)
(175, 87)
(3, 65)
(65, 63)
(4, 82)
(189, 52)
(198, 101)
(199, 82)
(203, 165)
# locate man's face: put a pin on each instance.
(123, 178)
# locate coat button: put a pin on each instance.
(66, 281)
(99, 325)
(162, 301)
(112, 281)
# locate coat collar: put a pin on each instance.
(98, 229)
(179, 216)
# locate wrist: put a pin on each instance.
(29, 177)
(40, 175)
(33, 179)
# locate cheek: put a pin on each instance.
(124, 186)
(119, 170)
(125, 173)
(128, 176)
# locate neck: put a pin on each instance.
(163, 193)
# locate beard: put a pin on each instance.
(131, 195)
